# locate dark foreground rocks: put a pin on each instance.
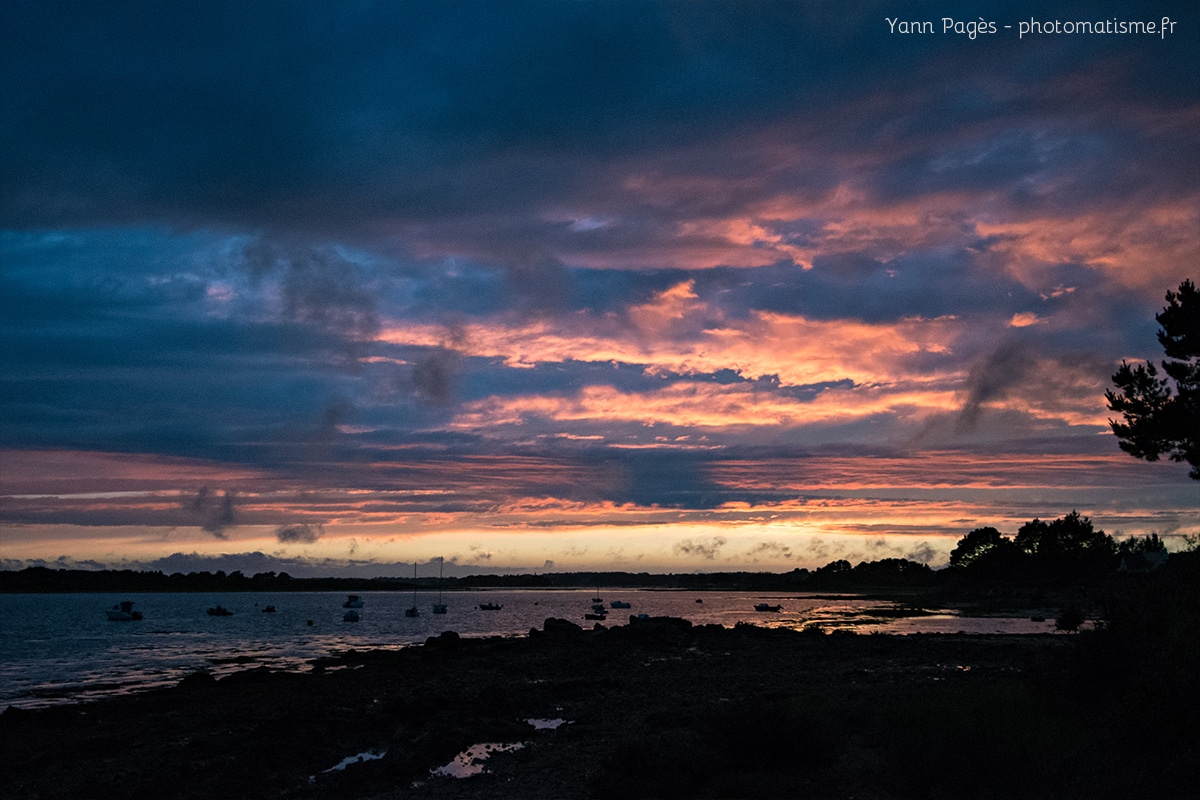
(655, 708)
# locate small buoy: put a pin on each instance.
(310, 623)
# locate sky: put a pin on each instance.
(340, 288)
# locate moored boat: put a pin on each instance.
(219, 611)
(123, 612)
(439, 607)
(490, 606)
(766, 607)
(413, 611)
(353, 601)
(620, 604)
(351, 616)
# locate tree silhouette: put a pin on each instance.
(1066, 547)
(1141, 544)
(987, 554)
(1157, 421)
(1063, 550)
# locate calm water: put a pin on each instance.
(62, 648)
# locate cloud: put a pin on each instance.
(327, 290)
(994, 377)
(770, 550)
(302, 533)
(62, 562)
(678, 332)
(434, 375)
(216, 514)
(704, 548)
(1042, 384)
(458, 259)
(881, 548)
(922, 553)
(320, 287)
(819, 549)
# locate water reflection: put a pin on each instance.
(471, 761)
(62, 648)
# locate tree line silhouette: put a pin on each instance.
(1068, 551)
(1065, 550)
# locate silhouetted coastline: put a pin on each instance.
(662, 708)
(890, 573)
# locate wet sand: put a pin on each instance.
(750, 711)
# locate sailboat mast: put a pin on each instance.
(439, 607)
(413, 611)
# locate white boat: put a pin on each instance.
(123, 612)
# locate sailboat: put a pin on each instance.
(413, 611)
(439, 607)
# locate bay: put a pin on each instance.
(61, 648)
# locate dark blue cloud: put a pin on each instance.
(209, 210)
(300, 115)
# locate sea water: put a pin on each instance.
(57, 648)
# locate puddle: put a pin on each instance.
(470, 761)
(354, 759)
(546, 724)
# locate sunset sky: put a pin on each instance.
(333, 288)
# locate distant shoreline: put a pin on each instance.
(36, 580)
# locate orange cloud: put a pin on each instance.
(1144, 251)
(705, 405)
(681, 334)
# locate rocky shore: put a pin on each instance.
(654, 708)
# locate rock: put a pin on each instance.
(198, 680)
(660, 623)
(560, 627)
(444, 640)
